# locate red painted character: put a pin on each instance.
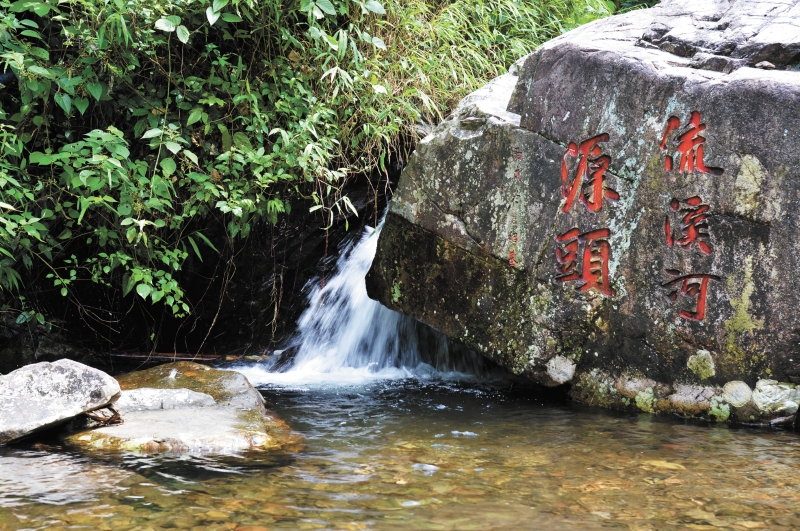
(594, 260)
(695, 286)
(689, 145)
(516, 154)
(592, 166)
(512, 261)
(693, 226)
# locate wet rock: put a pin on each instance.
(777, 398)
(188, 408)
(146, 399)
(44, 395)
(737, 393)
(620, 203)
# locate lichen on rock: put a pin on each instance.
(607, 202)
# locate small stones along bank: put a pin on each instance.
(179, 407)
(619, 213)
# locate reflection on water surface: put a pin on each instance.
(427, 455)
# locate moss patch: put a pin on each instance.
(701, 364)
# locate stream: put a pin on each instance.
(402, 430)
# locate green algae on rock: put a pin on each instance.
(615, 214)
(212, 412)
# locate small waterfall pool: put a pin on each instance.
(402, 433)
(346, 338)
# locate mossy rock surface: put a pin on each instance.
(554, 223)
(236, 423)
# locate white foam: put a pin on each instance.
(345, 338)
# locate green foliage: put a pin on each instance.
(134, 122)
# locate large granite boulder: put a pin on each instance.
(190, 408)
(43, 395)
(619, 213)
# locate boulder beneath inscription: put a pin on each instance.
(619, 214)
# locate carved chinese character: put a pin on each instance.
(693, 225)
(589, 182)
(694, 286)
(512, 261)
(592, 273)
(516, 155)
(689, 144)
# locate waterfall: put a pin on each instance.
(344, 337)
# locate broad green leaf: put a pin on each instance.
(152, 133)
(95, 89)
(43, 72)
(326, 6)
(144, 290)
(64, 101)
(375, 7)
(40, 8)
(164, 24)
(211, 15)
(81, 104)
(194, 116)
(174, 19)
(174, 147)
(241, 141)
(6, 206)
(378, 43)
(191, 156)
(231, 17)
(183, 34)
(168, 165)
(226, 138)
(41, 53)
(37, 157)
(217, 5)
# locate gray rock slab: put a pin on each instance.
(191, 430)
(190, 408)
(147, 398)
(43, 395)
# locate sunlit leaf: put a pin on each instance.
(212, 16)
(183, 34)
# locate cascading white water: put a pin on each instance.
(344, 337)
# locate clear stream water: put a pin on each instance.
(400, 432)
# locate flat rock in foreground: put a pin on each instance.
(44, 395)
(619, 214)
(186, 407)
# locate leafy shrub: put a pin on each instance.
(128, 126)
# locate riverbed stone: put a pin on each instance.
(772, 397)
(737, 393)
(44, 395)
(624, 198)
(148, 399)
(187, 407)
